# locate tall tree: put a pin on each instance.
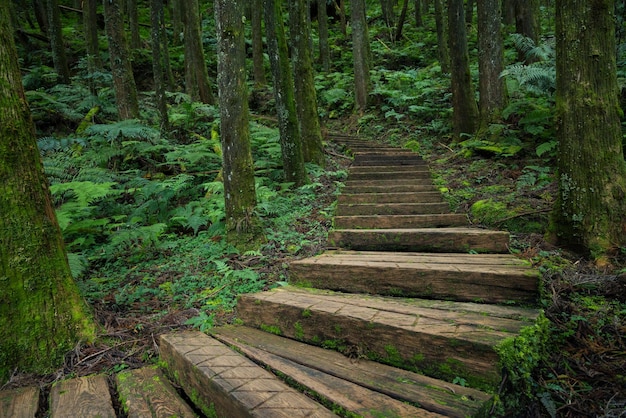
(464, 107)
(239, 191)
(90, 25)
(527, 22)
(123, 79)
(42, 315)
(197, 82)
(490, 61)
(591, 206)
(57, 47)
(418, 13)
(133, 23)
(158, 61)
(361, 54)
(443, 51)
(258, 69)
(401, 20)
(306, 97)
(322, 25)
(469, 12)
(290, 139)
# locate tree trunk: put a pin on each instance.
(90, 25)
(361, 54)
(527, 22)
(322, 22)
(443, 52)
(196, 76)
(290, 140)
(490, 62)
(133, 24)
(42, 315)
(386, 6)
(158, 65)
(306, 97)
(257, 43)
(401, 20)
(464, 108)
(121, 69)
(239, 191)
(418, 14)
(177, 21)
(590, 213)
(57, 47)
(341, 7)
(469, 12)
(41, 14)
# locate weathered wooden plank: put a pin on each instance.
(388, 183)
(452, 240)
(344, 393)
(386, 168)
(392, 209)
(19, 403)
(146, 393)
(81, 397)
(356, 188)
(420, 197)
(390, 175)
(431, 394)
(227, 384)
(400, 221)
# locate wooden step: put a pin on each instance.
(362, 387)
(420, 197)
(390, 175)
(146, 392)
(437, 276)
(87, 397)
(399, 221)
(383, 168)
(381, 151)
(388, 183)
(356, 187)
(442, 340)
(227, 384)
(391, 209)
(397, 159)
(19, 403)
(448, 240)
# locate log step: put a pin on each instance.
(19, 403)
(362, 387)
(420, 197)
(227, 384)
(450, 240)
(441, 339)
(400, 221)
(436, 276)
(87, 397)
(391, 209)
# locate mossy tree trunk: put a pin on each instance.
(490, 62)
(197, 83)
(306, 97)
(42, 315)
(239, 189)
(322, 25)
(121, 69)
(258, 68)
(361, 54)
(590, 213)
(464, 107)
(57, 47)
(290, 139)
(443, 52)
(158, 62)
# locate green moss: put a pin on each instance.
(272, 329)
(299, 331)
(306, 313)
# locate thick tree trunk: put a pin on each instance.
(490, 61)
(361, 54)
(464, 107)
(57, 47)
(197, 82)
(443, 52)
(290, 140)
(123, 79)
(591, 207)
(257, 43)
(158, 64)
(42, 315)
(239, 191)
(306, 97)
(322, 22)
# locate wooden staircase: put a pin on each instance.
(400, 317)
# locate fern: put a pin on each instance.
(125, 129)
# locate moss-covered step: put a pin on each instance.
(363, 387)
(416, 197)
(224, 383)
(400, 221)
(19, 403)
(87, 397)
(445, 340)
(146, 392)
(462, 277)
(391, 208)
(447, 240)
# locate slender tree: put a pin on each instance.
(290, 140)
(469, 11)
(42, 315)
(258, 69)
(133, 23)
(464, 107)
(123, 79)
(418, 13)
(57, 47)
(590, 213)
(443, 51)
(401, 20)
(322, 25)
(176, 18)
(90, 25)
(527, 23)
(158, 61)
(305, 95)
(361, 54)
(197, 82)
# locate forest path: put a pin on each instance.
(400, 317)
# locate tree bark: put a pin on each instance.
(133, 24)
(590, 213)
(464, 107)
(197, 83)
(401, 20)
(123, 79)
(322, 22)
(527, 22)
(177, 21)
(158, 62)
(290, 139)
(42, 315)
(257, 43)
(386, 6)
(90, 25)
(306, 97)
(418, 14)
(239, 191)
(57, 47)
(490, 61)
(443, 52)
(469, 12)
(361, 54)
